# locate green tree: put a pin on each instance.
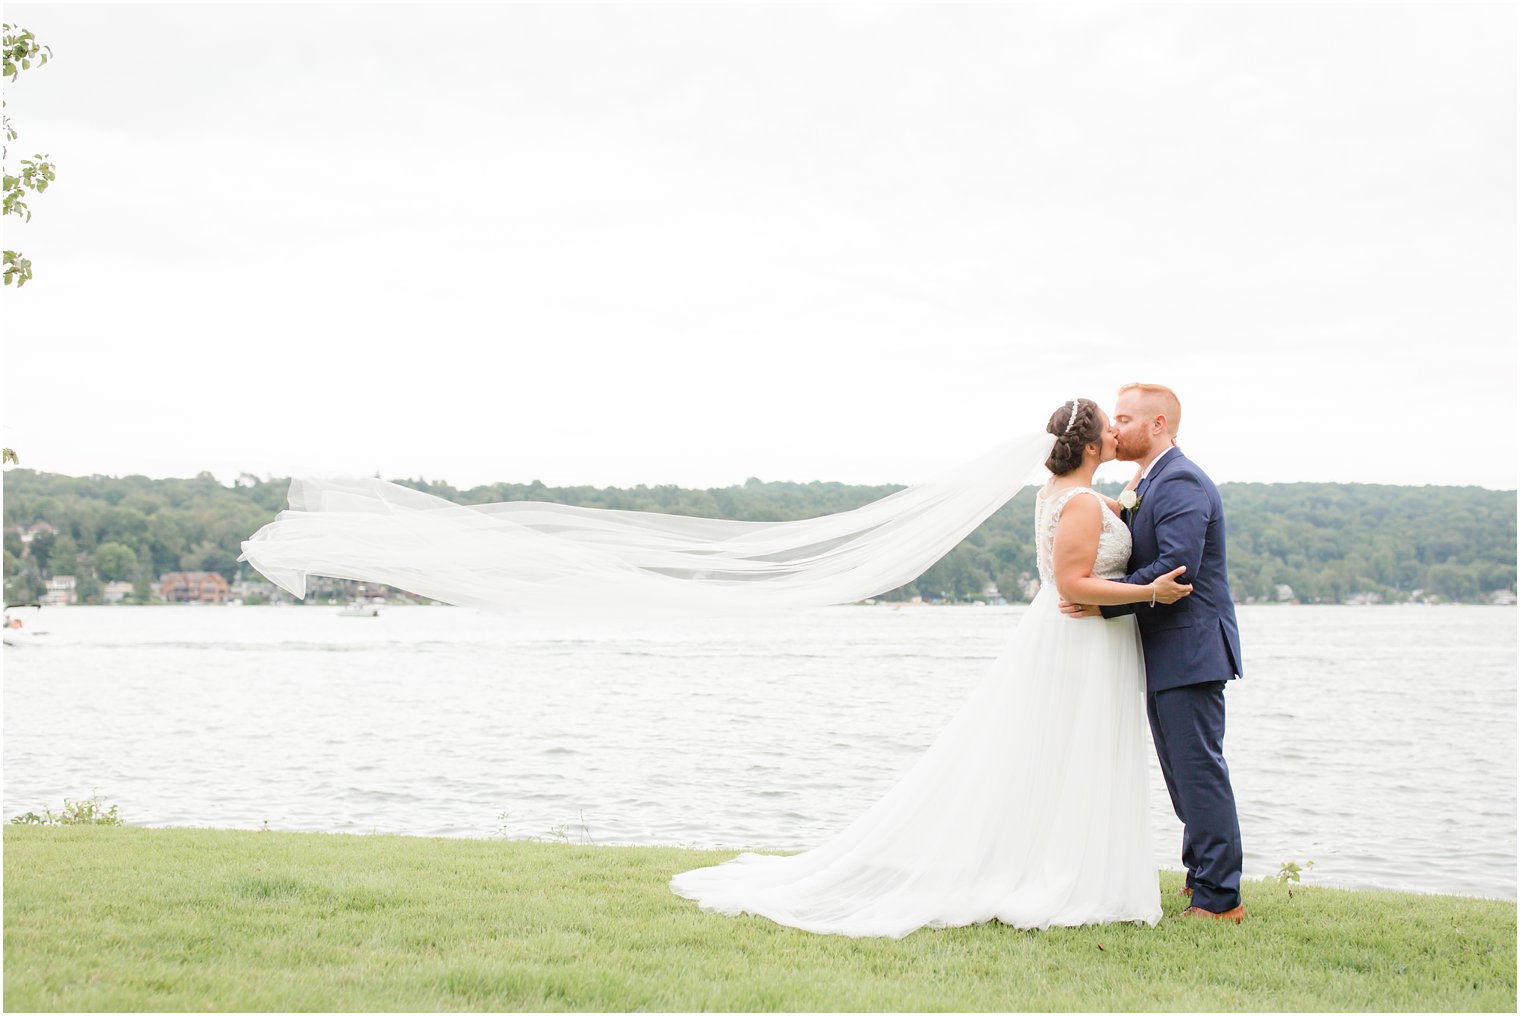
(1452, 582)
(42, 548)
(166, 541)
(64, 559)
(127, 526)
(963, 580)
(115, 562)
(26, 586)
(210, 557)
(143, 583)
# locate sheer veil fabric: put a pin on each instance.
(541, 556)
(1029, 808)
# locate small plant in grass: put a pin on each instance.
(90, 811)
(560, 832)
(1291, 872)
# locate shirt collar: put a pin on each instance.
(1145, 474)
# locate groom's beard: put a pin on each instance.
(1125, 452)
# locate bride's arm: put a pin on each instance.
(1075, 550)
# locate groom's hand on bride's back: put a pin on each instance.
(1079, 609)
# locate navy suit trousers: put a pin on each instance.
(1187, 724)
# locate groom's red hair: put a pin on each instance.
(1169, 405)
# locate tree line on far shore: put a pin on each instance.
(1288, 542)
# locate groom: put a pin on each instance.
(1192, 647)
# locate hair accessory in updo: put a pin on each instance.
(1082, 427)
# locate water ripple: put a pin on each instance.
(1379, 743)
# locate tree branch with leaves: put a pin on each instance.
(21, 52)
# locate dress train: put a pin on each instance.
(1030, 808)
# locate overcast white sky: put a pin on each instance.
(693, 244)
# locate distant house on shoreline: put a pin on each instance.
(60, 591)
(193, 587)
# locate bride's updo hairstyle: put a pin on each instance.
(1075, 429)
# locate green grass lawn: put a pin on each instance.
(123, 918)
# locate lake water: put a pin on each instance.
(1378, 742)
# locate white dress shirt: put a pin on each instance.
(1147, 470)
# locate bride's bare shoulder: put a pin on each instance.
(1081, 507)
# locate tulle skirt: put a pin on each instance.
(1030, 808)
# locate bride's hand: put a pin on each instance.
(1168, 589)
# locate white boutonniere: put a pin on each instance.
(1129, 500)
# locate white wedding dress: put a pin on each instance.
(1030, 807)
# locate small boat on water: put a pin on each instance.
(22, 630)
(362, 608)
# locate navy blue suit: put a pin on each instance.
(1192, 647)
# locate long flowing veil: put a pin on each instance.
(534, 554)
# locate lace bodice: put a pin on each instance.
(1113, 542)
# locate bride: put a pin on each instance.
(1030, 807)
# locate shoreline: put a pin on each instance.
(706, 849)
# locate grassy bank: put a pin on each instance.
(123, 918)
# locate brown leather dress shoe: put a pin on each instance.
(1235, 916)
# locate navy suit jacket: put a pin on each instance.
(1180, 520)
